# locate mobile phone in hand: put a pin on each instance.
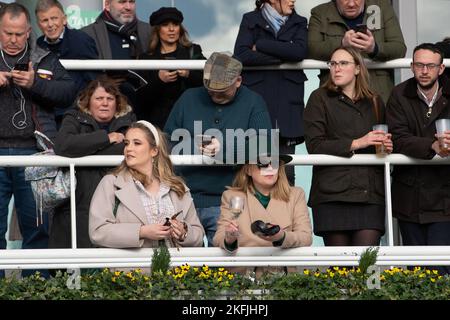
(21, 67)
(204, 139)
(361, 28)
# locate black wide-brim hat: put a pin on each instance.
(164, 14)
(266, 158)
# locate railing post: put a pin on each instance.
(388, 199)
(73, 208)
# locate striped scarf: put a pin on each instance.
(273, 18)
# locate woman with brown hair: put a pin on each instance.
(169, 41)
(269, 213)
(347, 201)
(143, 203)
(96, 127)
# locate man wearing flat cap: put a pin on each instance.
(223, 103)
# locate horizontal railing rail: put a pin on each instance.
(199, 160)
(199, 64)
(216, 257)
(307, 256)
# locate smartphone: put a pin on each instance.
(176, 215)
(206, 140)
(21, 67)
(361, 28)
(203, 139)
(167, 223)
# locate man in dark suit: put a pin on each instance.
(64, 42)
(118, 34)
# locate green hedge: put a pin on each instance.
(187, 282)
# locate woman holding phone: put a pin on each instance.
(169, 41)
(143, 203)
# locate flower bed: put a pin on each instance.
(187, 282)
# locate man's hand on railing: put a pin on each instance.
(115, 137)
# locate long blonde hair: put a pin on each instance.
(244, 182)
(162, 165)
(362, 87)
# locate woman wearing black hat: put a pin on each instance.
(269, 212)
(169, 40)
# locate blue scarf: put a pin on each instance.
(273, 18)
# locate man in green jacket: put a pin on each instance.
(370, 26)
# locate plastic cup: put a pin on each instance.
(442, 125)
(381, 149)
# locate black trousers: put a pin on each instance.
(429, 234)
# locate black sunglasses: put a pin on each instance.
(263, 165)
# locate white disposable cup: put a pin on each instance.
(442, 125)
(381, 149)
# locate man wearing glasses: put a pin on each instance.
(421, 194)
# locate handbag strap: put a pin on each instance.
(43, 141)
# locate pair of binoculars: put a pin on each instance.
(262, 228)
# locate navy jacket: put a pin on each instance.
(53, 87)
(282, 90)
(74, 45)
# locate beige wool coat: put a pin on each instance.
(122, 230)
(291, 216)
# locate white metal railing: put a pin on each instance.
(199, 64)
(310, 256)
(216, 257)
(90, 258)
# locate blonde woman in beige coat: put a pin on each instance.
(268, 197)
(143, 204)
